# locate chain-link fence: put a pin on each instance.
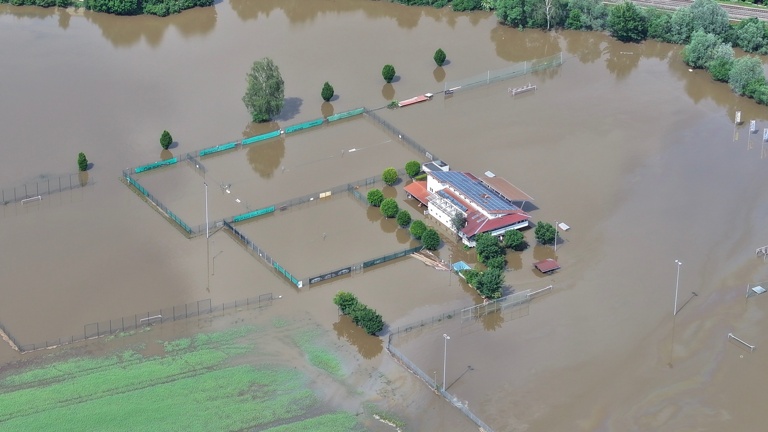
(405, 362)
(35, 190)
(400, 135)
(514, 71)
(137, 321)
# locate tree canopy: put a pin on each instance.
(490, 282)
(439, 56)
(487, 247)
(544, 233)
(745, 71)
(515, 240)
(166, 140)
(430, 239)
(375, 197)
(412, 168)
(627, 23)
(388, 73)
(403, 218)
(327, 92)
(265, 93)
(389, 208)
(390, 176)
(700, 52)
(417, 229)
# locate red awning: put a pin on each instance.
(418, 190)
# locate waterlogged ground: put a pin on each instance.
(271, 374)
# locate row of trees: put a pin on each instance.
(390, 209)
(363, 316)
(41, 3)
(147, 7)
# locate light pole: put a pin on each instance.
(450, 268)
(214, 262)
(555, 236)
(207, 235)
(445, 356)
(677, 284)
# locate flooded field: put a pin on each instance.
(280, 169)
(639, 155)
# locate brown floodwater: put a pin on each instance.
(639, 155)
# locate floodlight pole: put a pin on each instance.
(450, 268)
(677, 284)
(555, 236)
(207, 242)
(445, 356)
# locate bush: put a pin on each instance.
(627, 23)
(744, 71)
(403, 218)
(439, 57)
(430, 239)
(471, 275)
(345, 301)
(375, 197)
(388, 72)
(420, 177)
(487, 247)
(412, 168)
(82, 162)
(515, 240)
(544, 233)
(490, 282)
(390, 176)
(389, 208)
(417, 229)
(367, 319)
(498, 262)
(166, 140)
(327, 92)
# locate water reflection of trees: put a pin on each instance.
(518, 46)
(264, 157)
(127, 31)
(368, 346)
(586, 46)
(622, 59)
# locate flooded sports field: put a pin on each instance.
(277, 170)
(638, 155)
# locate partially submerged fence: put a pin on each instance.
(400, 135)
(137, 321)
(171, 215)
(514, 71)
(43, 186)
(405, 362)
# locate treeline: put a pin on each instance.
(41, 3)
(121, 7)
(147, 7)
(363, 316)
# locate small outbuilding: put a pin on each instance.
(546, 266)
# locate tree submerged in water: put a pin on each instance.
(265, 94)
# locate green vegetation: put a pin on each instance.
(393, 104)
(265, 94)
(192, 387)
(327, 92)
(390, 176)
(412, 168)
(490, 282)
(420, 177)
(319, 357)
(515, 240)
(375, 197)
(458, 221)
(488, 248)
(439, 58)
(40, 3)
(363, 316)
(544, 233)
(430, 239)
(166, 139)
(147, 7)
(388, 72)
(403, 218)
(627, 23)
(417, 229)
(389, 208)
(82, 162)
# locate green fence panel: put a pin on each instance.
(305, 125)
(385, 258)
(346, 114)
(218, 148)
(155, 165)
(137, 185)
(261, 137)
(253, 214)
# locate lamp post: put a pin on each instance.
(445, 356)
(207, 235)
(677, 284)
(555, 236)
(450, 268)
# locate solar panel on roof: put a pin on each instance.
(452, 200)
(476, 191)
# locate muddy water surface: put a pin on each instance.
(637, 154)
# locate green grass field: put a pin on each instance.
(192, 387)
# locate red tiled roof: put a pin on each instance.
(477, 222)
(546, 265)
(418, 190)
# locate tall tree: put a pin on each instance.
(166, 140)
(544, 233)
(327, 92)
(265, 94)
(700, 51)
(709, 17)
(627, 23)
(487, 247)
(511, 12)
(744, 72)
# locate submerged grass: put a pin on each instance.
(319, 357)
(192, 387)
